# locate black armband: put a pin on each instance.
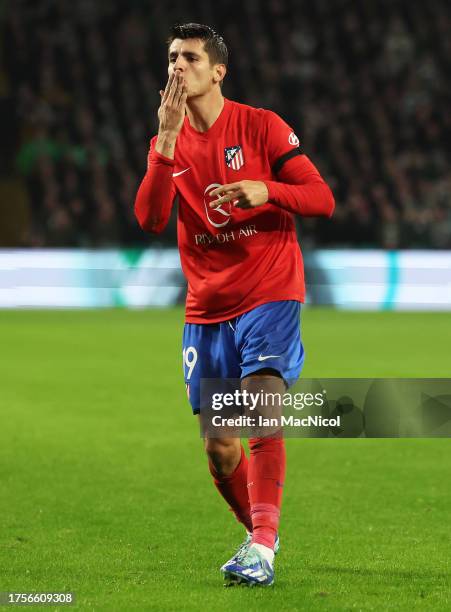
(284, 158)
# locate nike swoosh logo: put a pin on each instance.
(264, 358)
(182, 172)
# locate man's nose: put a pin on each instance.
(179, 64)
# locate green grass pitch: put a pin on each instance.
(104, 488)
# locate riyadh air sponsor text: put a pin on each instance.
(221, 238)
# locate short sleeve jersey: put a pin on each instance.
(234, 259)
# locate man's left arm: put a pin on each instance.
(299, 187)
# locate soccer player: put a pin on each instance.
(238, 174)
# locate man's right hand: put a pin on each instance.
(171, 114)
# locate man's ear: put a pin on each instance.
(219, 72)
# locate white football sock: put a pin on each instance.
(266, 553)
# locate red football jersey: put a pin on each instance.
(235, 259)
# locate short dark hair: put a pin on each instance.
(214, 44)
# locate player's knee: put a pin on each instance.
(223, 453)
(222, 447)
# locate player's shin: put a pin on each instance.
(266, 477)
(267, 461)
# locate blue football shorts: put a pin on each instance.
(267, 336)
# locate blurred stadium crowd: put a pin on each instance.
(364, 84)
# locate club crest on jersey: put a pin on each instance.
(234, 157)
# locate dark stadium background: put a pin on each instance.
(364, 84)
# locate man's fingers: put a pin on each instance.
(167, 88)
(225, 189)
(220, 201)
(174, 92)
(227, 198)
(182, 98)
(182, 101)
(228, 192)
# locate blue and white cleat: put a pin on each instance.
(250, 569)
(241, 550)
(231, 579)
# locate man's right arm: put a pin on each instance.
(156, 193)
(153, 203)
